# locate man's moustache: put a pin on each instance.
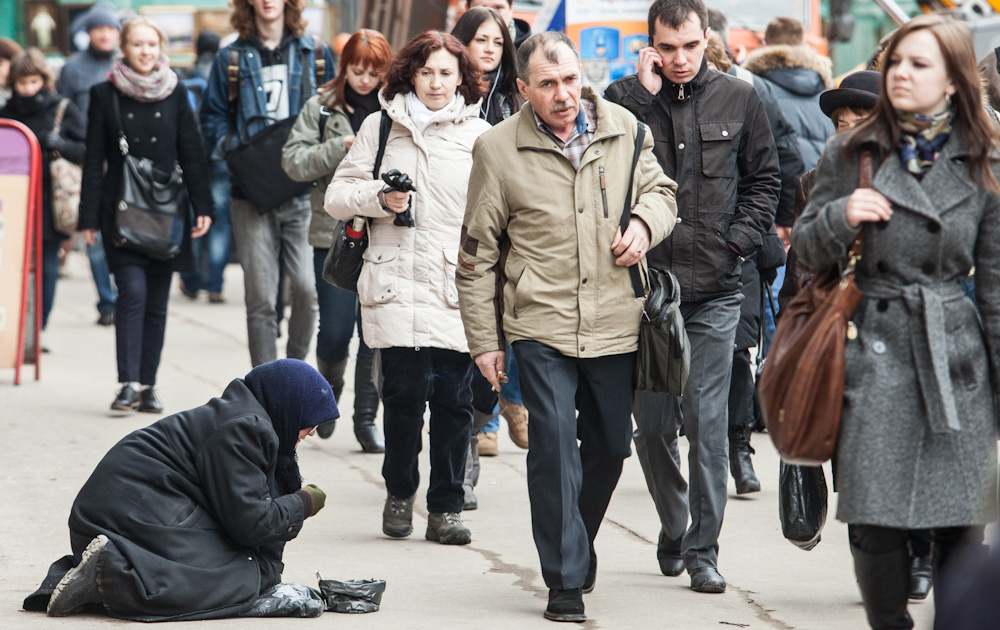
(558, 109)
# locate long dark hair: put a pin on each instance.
(414, 55)
(978, 132)
(467, 27)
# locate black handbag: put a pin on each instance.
(255, 165)
(153, 205)
(663, 359)
(342, 266)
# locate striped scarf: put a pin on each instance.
(922, 139)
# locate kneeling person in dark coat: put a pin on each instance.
(188, 518)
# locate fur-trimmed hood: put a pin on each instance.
(798, 69)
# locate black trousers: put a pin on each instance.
(414, 377)
(140, 321)
(570, 486)
(741, 390)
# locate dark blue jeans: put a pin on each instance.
(140, 321)
(50, 275)
(211, 252)
(413, 378)
(338, 312)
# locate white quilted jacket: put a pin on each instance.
(407, 284)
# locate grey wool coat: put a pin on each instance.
(917, 444)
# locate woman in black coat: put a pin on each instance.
(205, 497)
(35, 103)
(158, 125)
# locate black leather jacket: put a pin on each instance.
(711, 137)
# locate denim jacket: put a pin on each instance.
(215, 110)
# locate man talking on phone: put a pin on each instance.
(713, 139)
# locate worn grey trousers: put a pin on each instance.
(704, 412)
(261, 241)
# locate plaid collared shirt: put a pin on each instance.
(576, 145)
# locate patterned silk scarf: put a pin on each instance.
(922, 139)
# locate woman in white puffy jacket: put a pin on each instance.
(409, 304)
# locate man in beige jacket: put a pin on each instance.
(543, 265)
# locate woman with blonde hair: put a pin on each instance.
(917, 447)
(321, 137)
(144, 100)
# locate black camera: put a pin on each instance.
(400, 182)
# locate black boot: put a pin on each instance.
(334, 375)
(921, 577)
(740, 464)
(884, 580)
(365, 408)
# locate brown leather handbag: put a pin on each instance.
(802, 384)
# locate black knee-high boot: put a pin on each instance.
(365, 407)
(883, 577)
(333, 372)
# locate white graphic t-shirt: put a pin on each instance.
(275, 79)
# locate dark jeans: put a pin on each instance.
(50, 275)
(338, 312)
(211, 252)
(570, 486)
(140, 321)
(412, 378)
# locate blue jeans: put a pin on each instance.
(106, 296)
(769, 312)
(216, 244)
(50, 275)
(338, 312)
(511, 390)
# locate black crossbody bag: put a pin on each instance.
(255, 163)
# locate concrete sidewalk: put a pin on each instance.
(57, 429)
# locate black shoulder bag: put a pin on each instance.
(152, 204)
(342, 266)
(664, 357)
(255, 163)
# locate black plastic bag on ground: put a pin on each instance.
(352, 596)
(287, 600)
(802, 499)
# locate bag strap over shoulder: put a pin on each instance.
(633, 271)
(320, 63)
(233, 75)
(385, 125)
(60, 113)
(865, 177)
(122, 142)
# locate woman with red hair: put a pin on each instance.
(323, 133)
(409, 303)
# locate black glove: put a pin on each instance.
(52, 142)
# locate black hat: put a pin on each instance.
(860, 89)
(208, 42)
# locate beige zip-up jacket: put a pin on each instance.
(407, 284)
(536, 261)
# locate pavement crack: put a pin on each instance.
(762, 613)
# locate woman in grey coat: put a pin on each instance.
(917, 447)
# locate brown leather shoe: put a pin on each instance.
(517, 422)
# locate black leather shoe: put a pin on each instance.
(325, 430)
(588, 584)
(565, 605)
(921, 577)
(148, 401)
(741, 466)
(127, 399)
(707, 580)
(668, 554)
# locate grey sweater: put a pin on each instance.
(83, 71)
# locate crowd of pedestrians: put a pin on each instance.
(501, 283)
